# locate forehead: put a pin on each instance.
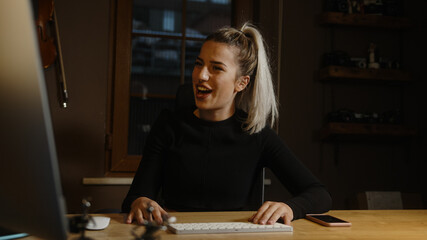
(219, 52)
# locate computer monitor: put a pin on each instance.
(31, 199)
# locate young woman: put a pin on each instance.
(207, 158)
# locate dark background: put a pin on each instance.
(346, 168)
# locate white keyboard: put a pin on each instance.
(226, 227)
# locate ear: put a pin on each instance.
(241, 83)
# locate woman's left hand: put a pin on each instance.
(270, 212)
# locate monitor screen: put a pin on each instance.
(31, 199)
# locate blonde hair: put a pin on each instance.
(258, 100)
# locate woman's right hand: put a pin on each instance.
(139, 211)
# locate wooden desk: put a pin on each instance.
(366, 224)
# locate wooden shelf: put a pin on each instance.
(339, 131)
(364, 20)
(340, 73)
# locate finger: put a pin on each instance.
(275, 216)
(287, 219)
(149, 207)
(129, 218)
(267, 214)
(165, 215)
(252, 217)
(157, 215)
(139, 216)
(260, 212)
(147, 216)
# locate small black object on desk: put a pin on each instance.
(78, 223)
(152, 227)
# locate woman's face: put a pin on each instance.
(216, 81)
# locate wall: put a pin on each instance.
(80, 129)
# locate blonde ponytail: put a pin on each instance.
(261, 105)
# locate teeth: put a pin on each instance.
(200, 88)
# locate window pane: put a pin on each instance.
(155, 74)
(157, 17)
(205, 16)
(192, 49)
(155, 65)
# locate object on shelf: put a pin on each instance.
(373, 56)
(337, 58)
(345, 73)
(364, 20)
(334, 130)
(349, 116)
(342, 58)
(375, 7)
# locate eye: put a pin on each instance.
(217, 68)
(198, 63)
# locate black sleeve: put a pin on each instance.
(309, 195)
(148, 177)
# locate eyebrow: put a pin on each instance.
(214, 62)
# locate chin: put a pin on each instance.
(202, 106)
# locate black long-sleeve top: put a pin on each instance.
(208, 166)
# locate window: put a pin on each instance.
(155, 46)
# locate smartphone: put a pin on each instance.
(327, 220)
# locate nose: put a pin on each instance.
(201, 74)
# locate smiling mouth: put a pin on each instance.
(203, 90)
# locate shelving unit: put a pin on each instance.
(339, 131)
(361, 75)
(356, 131)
